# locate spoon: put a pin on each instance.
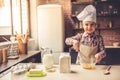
(107, 71)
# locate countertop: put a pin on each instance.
(21, 58)
(112, 46)
(77, 73)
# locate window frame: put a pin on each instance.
(11, 20)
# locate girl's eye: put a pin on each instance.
(92, 24)
(86, 24)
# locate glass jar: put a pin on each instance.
(48, 59)
(13, 49)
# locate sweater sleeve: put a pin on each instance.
(101, 48)
(69, 40)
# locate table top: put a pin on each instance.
(77, 73)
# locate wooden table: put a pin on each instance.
(77, 73)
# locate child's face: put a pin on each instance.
(89, 27)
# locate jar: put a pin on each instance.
(48, 59)
(64, 62)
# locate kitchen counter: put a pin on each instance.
(22, 58)
(112, 46)
(77, 73)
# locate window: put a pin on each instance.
(14, 16)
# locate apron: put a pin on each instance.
(86, 54)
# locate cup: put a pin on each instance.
(23, 48)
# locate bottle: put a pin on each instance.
(1, 56)
(110, 24)
(64, 63)
(4, 54)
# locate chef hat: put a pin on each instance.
(88, 14)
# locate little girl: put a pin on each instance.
(88, 44)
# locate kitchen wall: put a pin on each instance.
(33, 20)
(33, 13)
(109, 35)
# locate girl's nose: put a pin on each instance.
(89, 26)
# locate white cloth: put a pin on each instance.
(88, 14)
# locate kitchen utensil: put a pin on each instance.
(107, 71)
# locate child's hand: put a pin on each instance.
(76, 45)
(98, 58)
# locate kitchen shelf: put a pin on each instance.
(74, 18)
(113, 28)
(112, 47)
(108, 1)
(100, 28)
(82, 3)
(106, 10)
(107, 15)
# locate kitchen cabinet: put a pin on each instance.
(35, 58)
(108, 14)
(112, 57)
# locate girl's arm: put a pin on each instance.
(101, 50)
(73, 39)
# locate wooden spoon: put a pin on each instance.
(107, 71)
